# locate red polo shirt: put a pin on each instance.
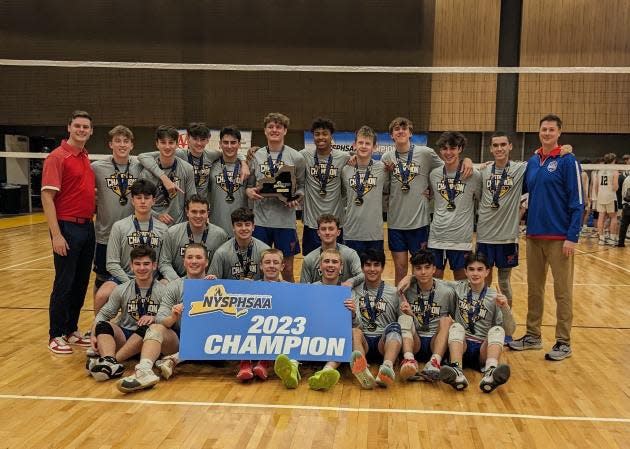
(68, 171)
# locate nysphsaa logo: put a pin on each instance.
(237, 305)
(552, 167)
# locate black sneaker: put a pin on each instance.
(106, 368)
(493, 377)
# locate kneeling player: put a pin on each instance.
(378, 332)
(272, 266)
(430, 304)
(138, 301)
(482, 319)
(286, 369)
(163, 337)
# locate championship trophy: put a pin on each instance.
(281, 186)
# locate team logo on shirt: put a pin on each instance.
(552, 167)
(413, 171)
(218, 179)
(458, 187)
(237, 305)
(465, 308)
(202, 173)
(419, 309)
(143, 238)
(379, 307)
(370, 183)
(264, 168)
(313, 171)
(151, 307)
(507, 185)
(163, 197)
(238, 273)
(114, 184)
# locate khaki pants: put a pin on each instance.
(540, 255)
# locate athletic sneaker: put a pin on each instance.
(493, 377)
(526, 342)
(76, 338)
(106, 368)
(89, 363)
(245, 372)
(453, 376)
(611, 241)
(408, 368)
(361, 371)
(287, 370)
(59, 345)
(324, 379)
(560, 351)
(431, 371)
(140, 380)
(260, 369)
(385, 376)
(166, 365)
(601, 241)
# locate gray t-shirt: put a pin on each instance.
(453, 229)
(177, 240)
(220, 208)
(271, 212)
(226, 263)
(410, 209)
(500, 225)
(364, 222)
(124, 299)
(110, 193)
(350, 269)
(386, 309)
(201, 166)
(173, 294)
(427, 311)
(484, 314)
(124, 237)
(331, 203)
(181, 173)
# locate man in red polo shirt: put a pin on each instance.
(68, 198)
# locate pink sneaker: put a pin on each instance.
(245, 372)
(260, 370)
(76, 338)
(59, 345)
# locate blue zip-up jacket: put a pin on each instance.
(556, 199)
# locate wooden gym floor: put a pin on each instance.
(49, 401)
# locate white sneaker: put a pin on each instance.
(140, 380)
(166, 367)
(453, 376)
(59, 345)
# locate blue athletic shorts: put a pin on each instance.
(284, 239)
(100, 261)
(411, 240)
(373, 354)
(425, 352)
(455, 258)
(472, 354)
(141, 331)
(503, 255)
(360, 246)
(311, 241)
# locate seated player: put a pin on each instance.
(482, 319)
(363, 186)
(196, 229)
(378, 334)
(328, 231)
(139, 229)
(163, 336)
(271, 265)
(238, 257)
(288, 369)
(430, 304)
(169, 204)
(137, 300)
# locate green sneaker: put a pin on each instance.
(323, 379)
(361, 371)
(287, 371)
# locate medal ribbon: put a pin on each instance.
(323, 180)
(171, 176)
(143, 303)
(496, 190)
(191, 239)
(196, 167)
(229, 184)
(474, 312)
(273, 168)
(450, 192)
(143, 241)
(426, 307)
(123, 181)
(360, 185)
(366, 299)
(404, 173)
(244, 262)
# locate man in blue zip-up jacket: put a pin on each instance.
(556, 204)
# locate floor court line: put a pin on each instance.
(605, 261)
(24, 263)
(318, 408)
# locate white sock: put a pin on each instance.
(491, 363)
(388, 363)
(408, 355)
(437, 358)
(145, 365)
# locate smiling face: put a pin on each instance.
(424, 273)
(330, 266)
(196, 144)
(243, 229)
(275, 132)
(166, 147)
(500, 147)
(195, 262)
(476, 273)
(121, 146)
(229, 145)
(401, 135)
(549, 133)
(450, 156)
(328, 232)
(79, 131)
(143, 268)
(373, 271)
(323, 139)
(197, 214)
(272, 266)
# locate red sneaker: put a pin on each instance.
(76, 338)
(245, 372)
(260, 370)
(59, 345)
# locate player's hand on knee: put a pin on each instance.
(146, 320)
(60, 246)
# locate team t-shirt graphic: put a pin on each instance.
(266, 170)
(508, 184)
(472, 311)
(413, 171)
(134, 306)
(368, 184)
(458, 187)
(220, 181)
(164, 197)
(377, 306)
(120, 183)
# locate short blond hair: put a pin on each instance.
(366, 131)
(273, 251)
(331, 251)
(276, 117)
